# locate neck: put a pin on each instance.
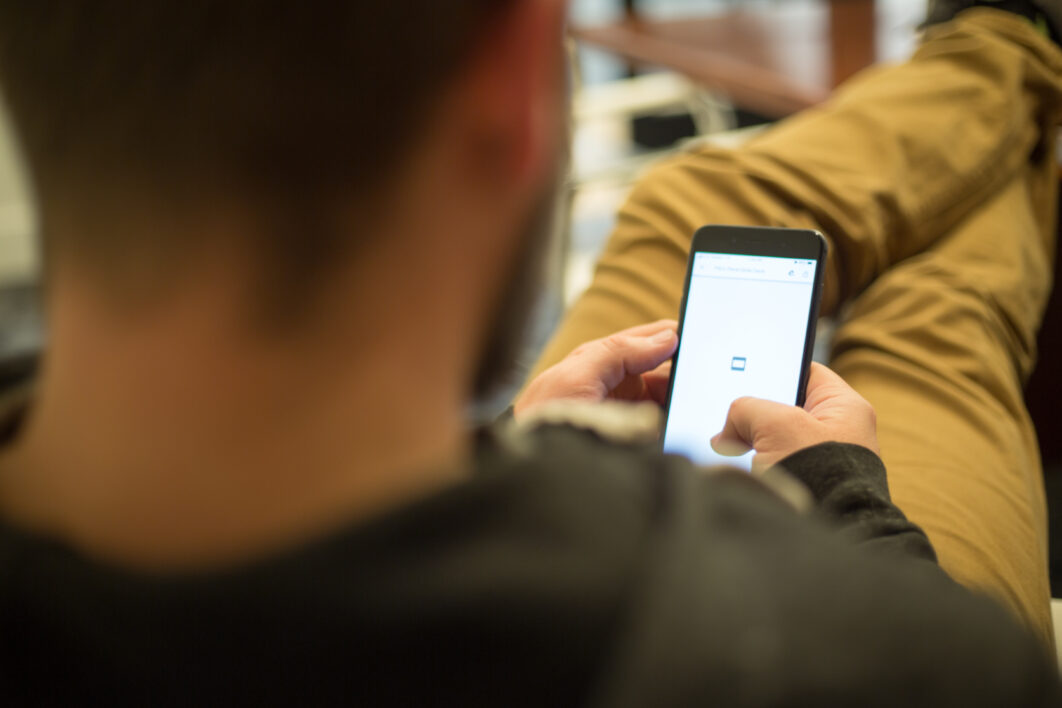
(167, 441)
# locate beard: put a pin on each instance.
(508, 326)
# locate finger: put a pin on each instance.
(631, 389)
(761, 463)
(657, 381)
(825, 384)
(614, 358)
(744, 422)
(650, 386)
(822, 375)
(650, 328)
(728, 447)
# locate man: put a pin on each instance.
(936, 182)
(285, 243)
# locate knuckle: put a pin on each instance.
(872, 415)
(614, 343)
(739, 409)
(581, 349)
(868, 410)
(741, 404)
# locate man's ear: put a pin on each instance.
(515, 94)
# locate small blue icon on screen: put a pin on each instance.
(738, 363)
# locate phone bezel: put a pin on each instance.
(756, 241)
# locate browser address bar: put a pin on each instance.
(713, 265)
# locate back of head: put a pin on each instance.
(289, 104)
(211, 145)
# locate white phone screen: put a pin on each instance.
(743, 334)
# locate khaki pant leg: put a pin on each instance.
(941, 345)
(899, 157)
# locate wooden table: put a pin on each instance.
(774, 60)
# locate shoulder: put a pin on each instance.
(616, 445)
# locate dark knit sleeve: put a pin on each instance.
(852, 492)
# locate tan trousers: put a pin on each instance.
(935, 182)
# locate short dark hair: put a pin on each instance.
(292, 100)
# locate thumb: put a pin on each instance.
(828, 393)
(621, 355)
(657, 381)
(745, 421)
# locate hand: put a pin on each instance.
(833, 412)
(632, 365)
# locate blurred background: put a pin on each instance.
(650, 75)
(20, 330)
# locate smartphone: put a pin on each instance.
(746, 328)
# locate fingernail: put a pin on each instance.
(728, 448)
(663, 337)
